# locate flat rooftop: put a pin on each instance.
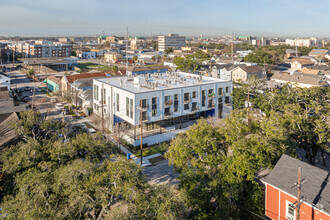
(44, 60)
(159, 81)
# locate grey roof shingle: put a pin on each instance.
(316, 188)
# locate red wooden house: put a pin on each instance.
(281, 191)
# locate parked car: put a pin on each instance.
(25, 98)
(21, 90)
(38, 89)
(59, 106)
(27, 88)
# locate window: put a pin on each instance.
(168, 100)
(227, 89)
(210, 91)
(290, 211)
(167, 110)
(203, 97)
(104, 95)
(186, 106)
(186, 97)
(220, 107)
(210, 103)
(144, 116)
(117, 102)
(127, 106)
(194, 106)
(220, 91)
(96, 92)
(194, 94)
(176, 97)
(144, 103)
(131, 108)
(227, 100)
(154, 106)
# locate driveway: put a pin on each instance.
(161, 173)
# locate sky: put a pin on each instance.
(291, 18)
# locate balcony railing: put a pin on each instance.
(145, 119)
(168, 102)
(168, 114)
(195, 109)
(144, 107)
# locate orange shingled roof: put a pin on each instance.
(85, 76)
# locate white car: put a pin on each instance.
(59, 106)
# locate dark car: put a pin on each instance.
(27, 88)
(25, 98)
(21, 90)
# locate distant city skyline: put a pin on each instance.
(290, 18)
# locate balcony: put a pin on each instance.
(144, 107)
(168, 102)
(145, 119)
(195, 109)
(211, 106)
(211, 96)
(168, 114)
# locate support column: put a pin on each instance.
(134, 132)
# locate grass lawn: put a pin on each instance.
(94, 66)
(86, 65)
(153, 149)
(156, 159)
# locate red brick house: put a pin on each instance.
(281, 193)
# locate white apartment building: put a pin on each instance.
(312, 42)
(172, 40)
(170, 103)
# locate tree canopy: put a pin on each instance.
(191, 62)
(61, 172)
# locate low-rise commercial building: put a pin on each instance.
(166, 103)
(43, 50)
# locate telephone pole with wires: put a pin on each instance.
(298, 185)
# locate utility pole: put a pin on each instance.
(126, 48)
(46, 79)
(232, 48)
(141, 131)
(14, 51)
(248, 106)
(299, 193)
(102, 98)
(298, 185)
(75, 83)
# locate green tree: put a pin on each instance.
(252, 88)
(115, 69)
(153, 58)
(74, 175)
(74, 53)
(191, 62)
(260, 57)
(135, 58)
(31, 72)
(169, 50)
(216, 172)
